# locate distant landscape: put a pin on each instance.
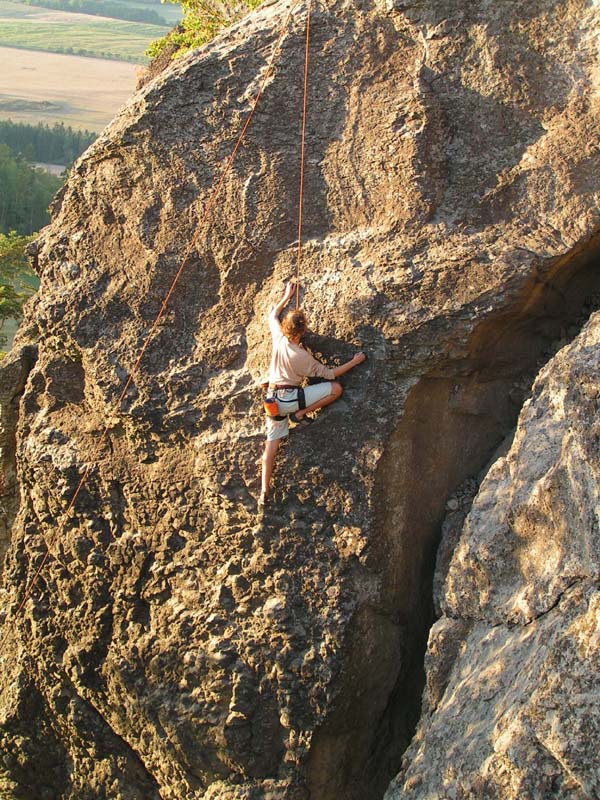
(58, 31)
(60, 66)
(151, 11)
(66, 67)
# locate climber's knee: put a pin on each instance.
(336, 389)
(270, 451)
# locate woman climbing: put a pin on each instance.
(290, 364)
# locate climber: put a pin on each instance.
(290, 364)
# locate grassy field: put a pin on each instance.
(170, 12)
(46, 87)
(35, 28)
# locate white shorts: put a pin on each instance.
(287, 403)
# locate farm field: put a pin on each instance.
(34, 28)
(170, 12)
(47, 87)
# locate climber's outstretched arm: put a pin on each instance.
(277, 309)
(354, 362)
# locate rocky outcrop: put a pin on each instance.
(511, 705)
(176, 645)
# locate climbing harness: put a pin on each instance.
(162, 310)
(270, 403)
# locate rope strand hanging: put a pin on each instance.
(49, 544)
(302, 149)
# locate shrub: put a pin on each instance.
(202, 20)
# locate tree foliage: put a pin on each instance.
(58, 144)
(202, 20)
(17, 281)
(26, 194)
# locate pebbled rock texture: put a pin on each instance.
(511, 705)
(177, 645)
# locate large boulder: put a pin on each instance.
(512, 701)
(175, 644)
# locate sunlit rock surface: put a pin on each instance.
(176, 644)
(511, 705)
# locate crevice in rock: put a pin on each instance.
(557, 601)
(499, 623)
(455, 418)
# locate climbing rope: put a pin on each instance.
(203, 218)
(302, 147)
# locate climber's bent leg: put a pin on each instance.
(335, 392)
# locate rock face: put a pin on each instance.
(175, 645)
(511, 705)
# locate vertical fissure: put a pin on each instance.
(456, 419)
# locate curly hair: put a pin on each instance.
(294, 324)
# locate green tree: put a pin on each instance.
(25, 195)
(17, 281)
(202, 20)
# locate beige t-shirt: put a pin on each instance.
(290, 362)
